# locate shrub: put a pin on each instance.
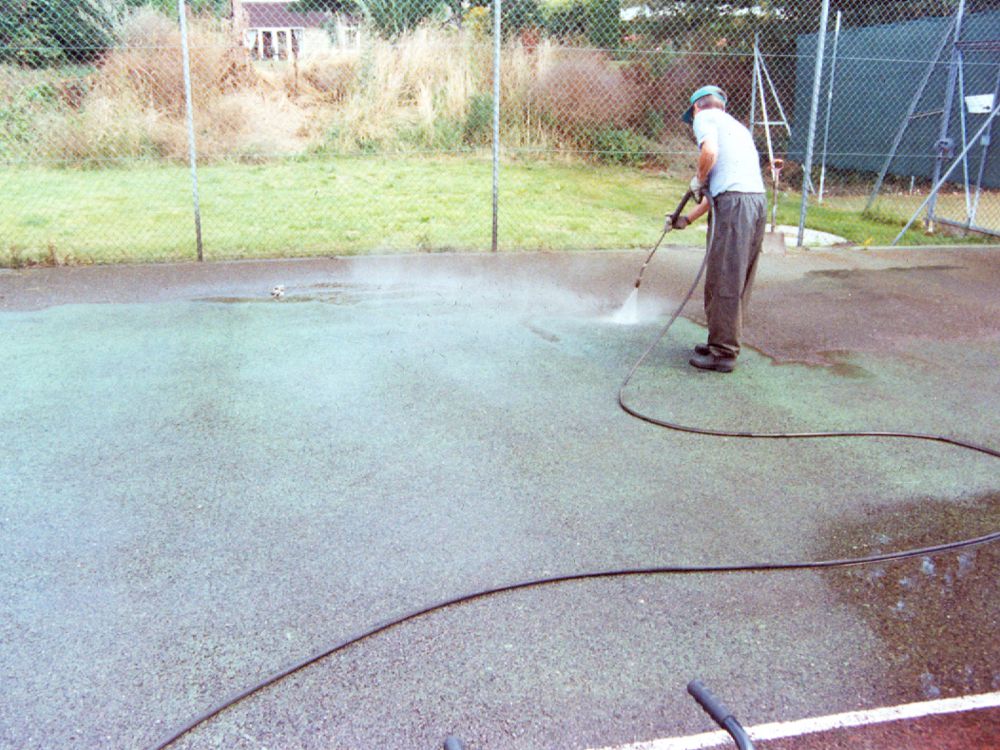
(38, 33)
(104, 129)
(479, 120)
(654, 125)
(390, 18)
(598, 21)
(516, 15)
(16, 129)
(427, 89)
(564, 18)
(136, 107)
(581, 91)
(478, 21)
(31, 103)
(618, 146)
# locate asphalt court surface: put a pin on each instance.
(202, 484)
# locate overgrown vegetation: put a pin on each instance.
(424, 88)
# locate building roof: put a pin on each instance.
(271, 15)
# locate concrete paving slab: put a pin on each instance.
(203, 484)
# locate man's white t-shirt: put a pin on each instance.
(738, 165)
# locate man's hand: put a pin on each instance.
(697, 187)
(681, 222)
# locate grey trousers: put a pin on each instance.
(739, 220)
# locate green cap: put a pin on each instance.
(715, 91)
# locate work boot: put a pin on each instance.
(702, 349)
(711, 362)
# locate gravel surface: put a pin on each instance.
(203, 484)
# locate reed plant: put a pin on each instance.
(408, 91)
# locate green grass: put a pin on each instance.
(845, 216)
(300, 208)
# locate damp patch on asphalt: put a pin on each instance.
(936, 615)
(848, 273)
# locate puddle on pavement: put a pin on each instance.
(255, 300)
(327, 293)
(332, 293)
(936, 615)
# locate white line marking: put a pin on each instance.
(780, 729)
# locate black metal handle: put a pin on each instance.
(677, 212)
(712, 705)
(720, 714)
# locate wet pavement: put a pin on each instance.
(203, 484)
(975, 730)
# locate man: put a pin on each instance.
(729, 169)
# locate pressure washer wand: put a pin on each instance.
(722, 715)
(671, 220)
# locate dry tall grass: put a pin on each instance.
(407, 91)
(132, 105)
(427, 90)
(524, 126)
(136, 104)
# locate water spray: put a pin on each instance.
(629, 312)
(668, 225)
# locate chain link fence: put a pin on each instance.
(344, 126)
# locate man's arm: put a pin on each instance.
(707, 157)
(700, 210)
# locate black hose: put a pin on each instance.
(538, 582)
(179, 732)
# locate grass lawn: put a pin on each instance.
(354, 205)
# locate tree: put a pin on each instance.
(37, 33)
(782, 21)
(392, 17)
(517, 14)
(169, 7)
(604, 23)
(332, 6)
(597, 20)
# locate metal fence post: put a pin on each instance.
(496, 120)
(942, 179)
(949, 101)
(813, 111)
(192, 151)
(829, 106)
(753, 83)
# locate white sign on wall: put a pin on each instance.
(980, 104)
